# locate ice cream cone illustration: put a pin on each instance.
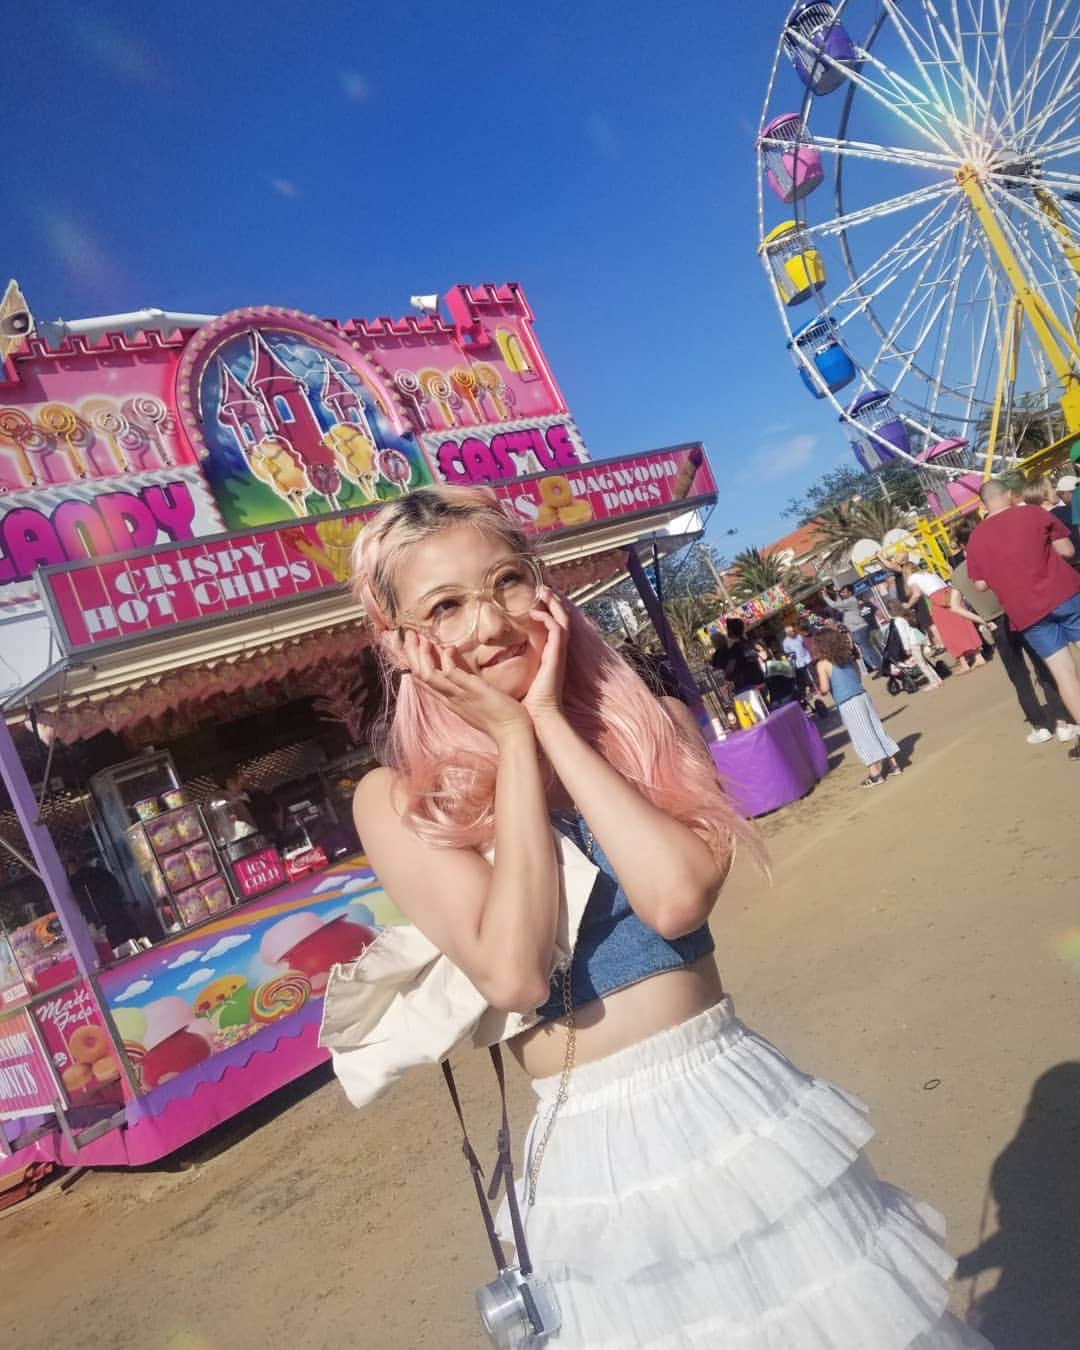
(684, 479)
(273, 461)
(354, 454)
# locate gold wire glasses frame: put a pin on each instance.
(513, 584)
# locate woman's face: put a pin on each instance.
(504, 650)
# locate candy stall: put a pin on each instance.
(194, 691)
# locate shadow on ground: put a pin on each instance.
(1035, 1183)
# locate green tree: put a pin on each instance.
(757, 572)
(1032, 425)
(839, 527)
(897, 482)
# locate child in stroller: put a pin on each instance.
(904, 657)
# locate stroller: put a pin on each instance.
(897, 666)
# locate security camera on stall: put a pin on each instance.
(426, 304)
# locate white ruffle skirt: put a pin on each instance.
(698, 1190)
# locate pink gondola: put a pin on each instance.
(792, 166)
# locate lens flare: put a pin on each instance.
(1067, 947)
(185, 1338)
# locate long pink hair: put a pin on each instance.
(447, 769)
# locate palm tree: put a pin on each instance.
(757, 572)
(841, 526)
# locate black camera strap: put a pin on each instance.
(503, 1173)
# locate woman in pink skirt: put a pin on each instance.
(960, 636)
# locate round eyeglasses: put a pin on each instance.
(450, 614)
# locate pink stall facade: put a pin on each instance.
(188, 683)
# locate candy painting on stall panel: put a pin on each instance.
(204, 991)
(289, 420)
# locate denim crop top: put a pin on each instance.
(614, 948)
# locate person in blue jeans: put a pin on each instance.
(1022, 554)
(848, 610)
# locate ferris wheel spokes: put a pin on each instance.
(1062, 95)
(879, 210)
(901, 257)
(888, 154)
(945, 343)
(1041, 65)
(908, 35)
(931, 323)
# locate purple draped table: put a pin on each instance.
(774, 763)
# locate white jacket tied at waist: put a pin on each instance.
(402, 1002)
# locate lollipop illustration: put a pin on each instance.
(16, 430)
(465, 382)
(408, 385)
(106, 421)
(67, 426)
(395, 468)
(326, 480)
(438, 389)
(491, 385)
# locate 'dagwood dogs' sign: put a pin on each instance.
(148, 590)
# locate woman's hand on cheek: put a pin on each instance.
(544, 698)
(442, 671)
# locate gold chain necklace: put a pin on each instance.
(563, 1090)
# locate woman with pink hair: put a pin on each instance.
(684, 1184)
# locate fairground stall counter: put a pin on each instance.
(765, 746)
(192, 691)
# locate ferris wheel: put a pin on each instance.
(919, 215)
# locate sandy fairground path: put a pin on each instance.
(914, 947)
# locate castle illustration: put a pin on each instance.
(276, 428)
(272, 401)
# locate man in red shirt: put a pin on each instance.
(1020, 553)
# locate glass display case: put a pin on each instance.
(162, 841)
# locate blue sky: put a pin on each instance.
(340, 158)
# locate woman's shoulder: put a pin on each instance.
(376, 793)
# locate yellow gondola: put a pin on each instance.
(797, 267)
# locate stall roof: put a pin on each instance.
(97, 672)
(94, 672)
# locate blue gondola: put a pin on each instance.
(818, 343)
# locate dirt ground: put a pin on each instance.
(914, 946)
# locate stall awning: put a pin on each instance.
(95, 673)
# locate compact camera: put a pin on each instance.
(518, 1311)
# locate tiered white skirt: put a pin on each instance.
(698, 1190)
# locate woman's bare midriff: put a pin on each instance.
(623, 1018)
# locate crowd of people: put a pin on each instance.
(1012, 592)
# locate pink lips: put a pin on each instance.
(505, 654)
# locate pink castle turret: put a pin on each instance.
(239, 410)
(342, 401)
(285, 402)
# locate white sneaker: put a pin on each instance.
(1067, 731)
(1040, 735)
